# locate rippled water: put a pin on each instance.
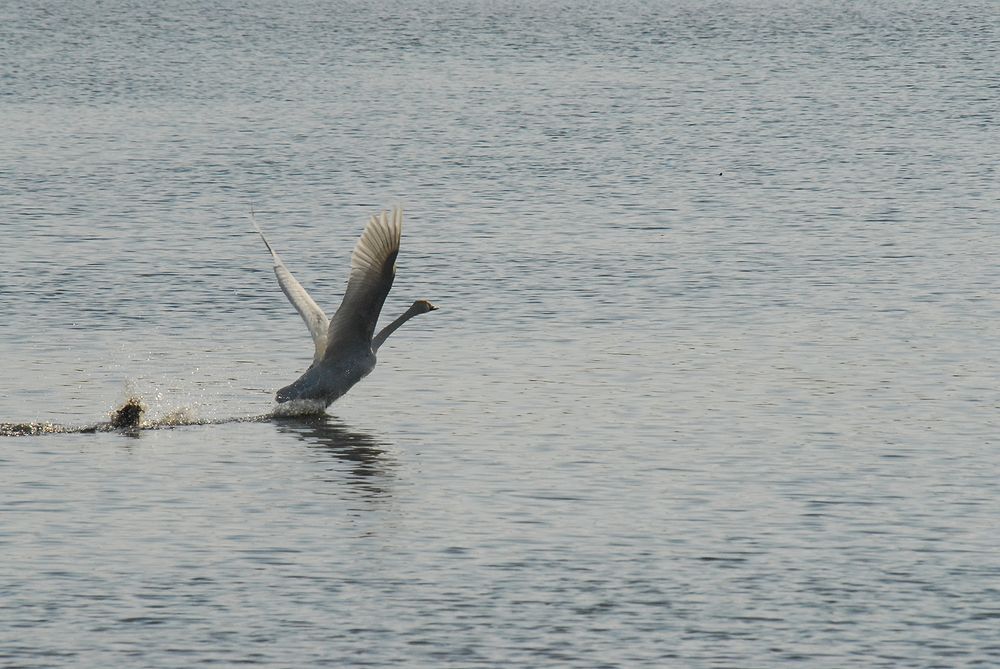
(713, 383)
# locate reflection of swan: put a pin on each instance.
(345, 346)
(365, 457)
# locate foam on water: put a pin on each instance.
(131, 417)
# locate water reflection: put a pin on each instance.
(359, 457)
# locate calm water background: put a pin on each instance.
(714, 382)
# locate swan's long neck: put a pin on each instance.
(414, 310)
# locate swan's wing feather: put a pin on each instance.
(315, 319)
(373, 268)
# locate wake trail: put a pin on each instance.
(130, 418)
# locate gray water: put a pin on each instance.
(713, 383)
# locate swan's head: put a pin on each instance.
(422, 307)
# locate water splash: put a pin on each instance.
(130, 417)
(300, 408)
(30, 429)
(128, 414)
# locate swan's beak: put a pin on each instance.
(433, 308)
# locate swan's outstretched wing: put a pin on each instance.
(373, 267)
(315, 319)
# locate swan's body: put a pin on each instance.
(345, 346)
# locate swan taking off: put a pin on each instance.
(345, 346)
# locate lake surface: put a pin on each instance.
(714, 381)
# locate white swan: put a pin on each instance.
(345, 346)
